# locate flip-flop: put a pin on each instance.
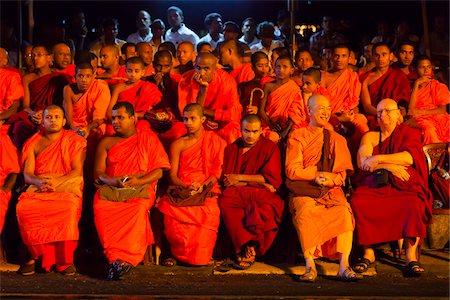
(363, 263)
(348, 275)
(414, 269)
(169, 262)
(238, 265)
(224, 266)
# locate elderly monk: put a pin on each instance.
(250, 207)
(282, 105)
(128, 165)
(62, 59)
(231, 56)
(317, 163)
(145, 52)
(41, 88)
(344, 89)
(216, 92)
(49, 210)
(391, 200)
(382, 82)
(191, 213)
(113, 72)
(429, 99)
(11, 89)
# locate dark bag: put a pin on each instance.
(182, 196)
(380, 176)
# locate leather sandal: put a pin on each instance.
(309, 276)
(348, 275)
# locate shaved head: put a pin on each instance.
(186, 44)
(141, 46)
(206, 56)
(110, 48)
(230, 44)
(387, 103)
(194, 107)
(3, 57)
(251, 119)
(52, 107)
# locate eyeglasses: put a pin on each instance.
(387, 111)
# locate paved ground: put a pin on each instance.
(259, 282)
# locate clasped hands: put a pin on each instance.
(371, 163)
(326, 179)
(47, 183)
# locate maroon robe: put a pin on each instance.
(252, 212)
(399, 209)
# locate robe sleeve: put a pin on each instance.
(271, 171)
(229, 98)
(295, 169)
(102, 102)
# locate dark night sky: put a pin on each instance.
(363, 14)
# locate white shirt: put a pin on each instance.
(252, 43)
(137, 38)
(260, 47)
(181, 35)
(207, 38)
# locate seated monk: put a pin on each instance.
(382, 82)
(427, 106)
(164, 117)
(186, 56)
(282, 105)
(250, 207)
(128, 165)
(216, 92)
(391, 200)
(49, 210)
(145, 51)
(11, 89)
(112, 72)
(260, 65)
(191, 213)
(311, 84)
(41, 88)
(317, 163)
(141, 94)
(62, 59)
(303, 60)
(231, 56)
(344, 90)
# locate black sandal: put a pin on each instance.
(169, 262)
(364, 265)
(414, 269)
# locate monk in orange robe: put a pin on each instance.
(9, 168)
(113, 73)
(62, 59)
(11, 89)
(196, 164)
(128, 164)
(317, 162)
(49, 210)
(141, 94)
(145, 51)
(344, 91)
(231, 56)
(41, 88)
(429, 99)
(250, 207)
(216, 92)
(282, 105)
(382, 82)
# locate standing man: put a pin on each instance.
(143, 34)
(178, 31)
(249, 32)
(213, 22)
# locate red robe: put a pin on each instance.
(9, 163)
(252, 212)
(119, 77)
(243, 73)
(435, 128)
(44, 91)
(70, 70)
(222, 97)
(11, 88)
(245, 90)
(400, 209)
(124, 227)
(192, 230)
(48, 221)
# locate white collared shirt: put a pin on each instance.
(137, 38)
(181, 35)
(207, 38)
(252, 43)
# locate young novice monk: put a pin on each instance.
(142, 94)
(311, 84)
(282, 105)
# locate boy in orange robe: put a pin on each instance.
(128, 164)
(49, 210)
(216, 91)
(196, 161)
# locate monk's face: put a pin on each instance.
(108, 58)
(319, 111)
(382, 56)
(206, 67)
(340, 58)
(135, 72)
(130, 52)
(163, 64)
(185, 53)
(425, 68)
(41, 58)
(121, 121)
(309, 84)
(251, 132)
(304, 61)
(61, 56)
(53, 120)
(3, 57)
(84, 79)
(146, 53)
(193, 121)
(388, 113)
(406, 55)
(261, 68)
(283, 68)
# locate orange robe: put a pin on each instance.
(11, 88)
(48, 221)
(221, 97)
(119, 77)
(243, 73)
(192, 230)
(9, 163)
(320, 222)
(70, 70)
(285, 103)
(435, 128)
(124, 227)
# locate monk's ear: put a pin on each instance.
(392, 57)
(64, 121)
(203, 119)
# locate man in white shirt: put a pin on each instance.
(143, 21)
(110, 29)
(213, 22)
(178, 32)
(249, 32)
(266, 32)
